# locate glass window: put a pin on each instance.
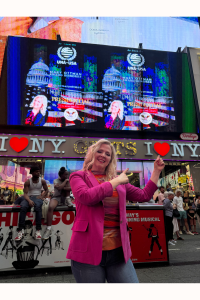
(74, 165)
(8, 174)
(23, 166)
(119, 167)
(52, 167)
(135, 172)
(13, 174)
(148, 169)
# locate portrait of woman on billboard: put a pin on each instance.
(37, 116)
(116, 119)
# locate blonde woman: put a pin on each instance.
(99, 248)
(116, 119)
(36, 116)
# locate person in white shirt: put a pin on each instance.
(32, 198)
(178, 200)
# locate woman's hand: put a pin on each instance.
(159, 164)
(123, 179)
(158, 167)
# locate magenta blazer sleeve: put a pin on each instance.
(140, 195)
(89, 195)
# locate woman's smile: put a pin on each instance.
(102, 158)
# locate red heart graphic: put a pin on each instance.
(162, 149)
(18, 144)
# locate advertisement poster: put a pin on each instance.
(147, 235)
(96, 87)
(30, 253)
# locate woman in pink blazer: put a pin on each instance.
(99, 247)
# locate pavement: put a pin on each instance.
(184, 267)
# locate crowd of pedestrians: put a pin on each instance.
(180, 213)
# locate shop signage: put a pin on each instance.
(30, 253)
(189, 136)
(74, 147)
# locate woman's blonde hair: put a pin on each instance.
(89, 159)
(121, 107)
(178, 190)
(166, 194)
(44, 102)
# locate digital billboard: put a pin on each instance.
(66, 84)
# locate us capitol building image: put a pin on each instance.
(38, 75)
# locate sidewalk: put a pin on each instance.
(184, 268)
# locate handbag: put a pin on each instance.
(176, 213)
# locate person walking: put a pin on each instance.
(168, 207)
(186, 202)
(178, 200)
(169, 189)
(99, 248)
(191, 216)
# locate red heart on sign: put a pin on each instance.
(162, 149)
(18, 144)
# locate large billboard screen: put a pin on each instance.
(66, 84)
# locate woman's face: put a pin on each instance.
(115, 107)
(37, 103)
(102, 158)
(178, 194)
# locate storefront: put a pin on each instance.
(19, 152)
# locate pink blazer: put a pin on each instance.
(87, 236)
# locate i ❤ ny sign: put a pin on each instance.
(75, 147)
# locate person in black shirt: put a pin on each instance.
(191, 216)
